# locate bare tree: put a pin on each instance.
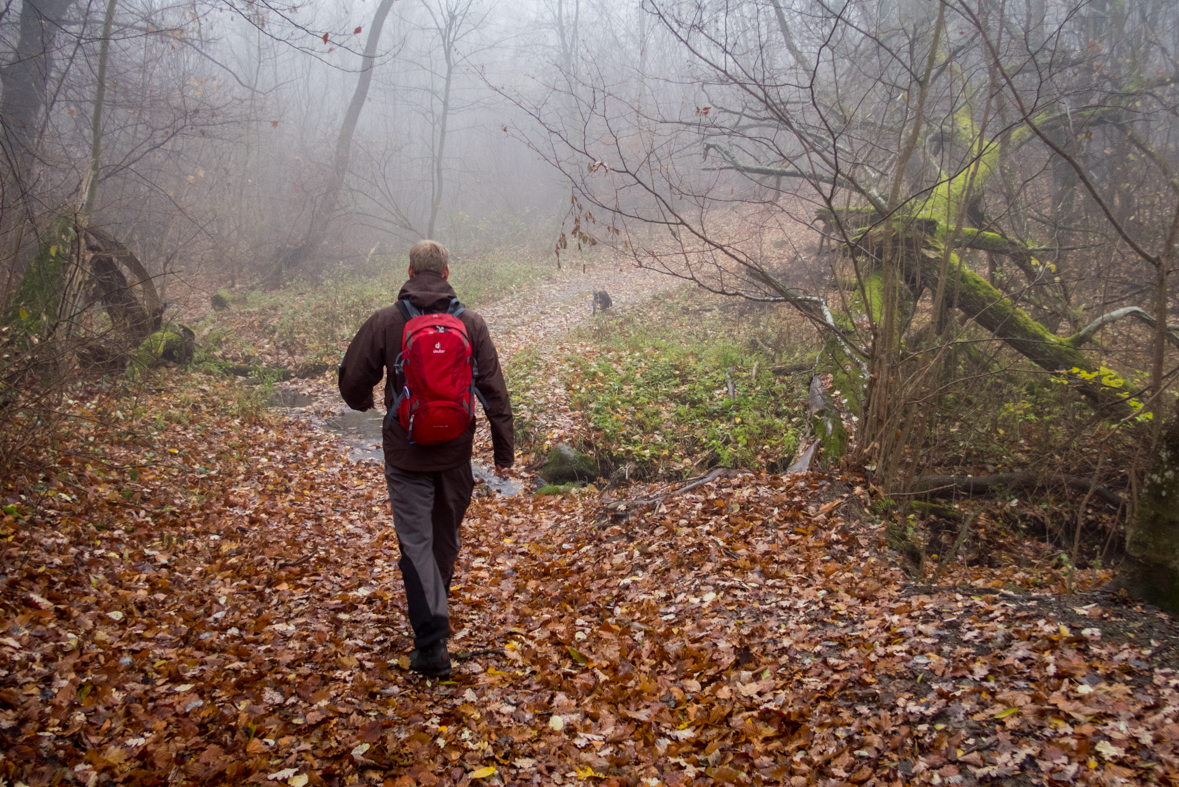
(452, 21)
(925, 144)
(25, 86)
(327, 208)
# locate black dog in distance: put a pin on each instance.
(602, 301)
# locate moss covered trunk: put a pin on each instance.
(1151, 570)
(979, 300)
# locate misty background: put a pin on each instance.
(221, 124)
(224, 146)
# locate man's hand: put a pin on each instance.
(503, 472)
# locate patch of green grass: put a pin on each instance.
(556, 489)
(657, 392)
(524, 374)
(481, 279)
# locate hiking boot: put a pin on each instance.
(433, 662)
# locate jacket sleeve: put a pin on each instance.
(363, 365)
(490, 382)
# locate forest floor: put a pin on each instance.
(189, 596)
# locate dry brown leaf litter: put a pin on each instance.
(220, 603)
(227, 608)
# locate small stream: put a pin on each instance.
(362, 434)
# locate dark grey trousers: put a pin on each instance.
(428, 508)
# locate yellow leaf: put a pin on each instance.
(1003, 714)
(298, 780)
(483, 773)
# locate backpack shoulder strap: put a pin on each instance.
(408, 310)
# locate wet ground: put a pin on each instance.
(362, 433)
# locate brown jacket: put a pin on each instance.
(375, 348)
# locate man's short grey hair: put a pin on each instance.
(428, 255)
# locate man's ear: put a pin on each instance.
(446, 272)
(411, 274)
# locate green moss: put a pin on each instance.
(849, 380)
(173, 344)
(37, 301)
(945, 200)
(565, 464)
(855, 218)
(1156, 535)
(556, 489)
(870, 300)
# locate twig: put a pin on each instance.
(1080, 521)
(948, 485)
(946, 558)
(299, 562)
(711, 475)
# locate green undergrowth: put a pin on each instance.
(306, 322)
(1022, 420)
(526, 377)
(655, 391)
(494, 274)
(556, 489)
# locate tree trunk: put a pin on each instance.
(91, 180)
(133, 305)
(328, 207)
(24, 82)
(440, 150)
(1151, 569)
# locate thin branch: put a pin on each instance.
(1086, 334)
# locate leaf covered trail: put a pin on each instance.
(193, 599)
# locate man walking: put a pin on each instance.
(430, 482)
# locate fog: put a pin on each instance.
(224, 141)
(221, 126)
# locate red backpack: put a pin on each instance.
(438, 401)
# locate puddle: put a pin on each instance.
(362, 432)
(286, 399)
(506, 487)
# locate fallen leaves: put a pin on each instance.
(198, 599)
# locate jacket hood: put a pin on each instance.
(427, 291)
